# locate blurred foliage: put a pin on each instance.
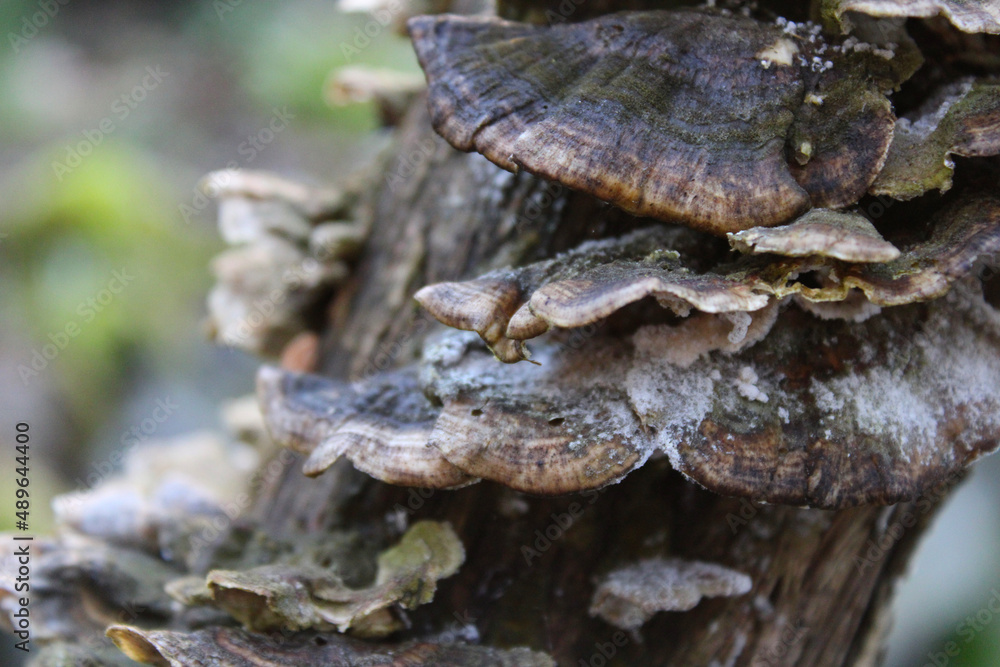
(67, 229)
(111, 215)
(975, 640)
(286, 52)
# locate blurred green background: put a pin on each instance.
(109, 115)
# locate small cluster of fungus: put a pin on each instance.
(293, 244)
(754, 324)
(165, 540)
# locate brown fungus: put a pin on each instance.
(695, 127)
(595, 294)
(824, 257)
(835, 415)
(966, 15)
(484, 305)
(846, 236)
(830, 415)
(565, 426)
(842, 253)
(534, 432)
(629, 596)
(581, 287)
(381, 426)
(964, 235)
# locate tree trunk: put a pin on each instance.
(821, 579)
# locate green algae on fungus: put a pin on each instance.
(962, 119)
(299, 594)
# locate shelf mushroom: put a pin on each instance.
(686, 116)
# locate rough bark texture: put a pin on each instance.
(822, 579)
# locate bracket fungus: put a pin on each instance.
(581, 287)
(967, 15)
(686, 116)
(166, 539)
(846, 236)
(391, 91)
(292, 246)
(731, 389)
(381, 426)
(827, 416)
(963, 119)
(297, 592)
(629, 596)
(499, 426)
